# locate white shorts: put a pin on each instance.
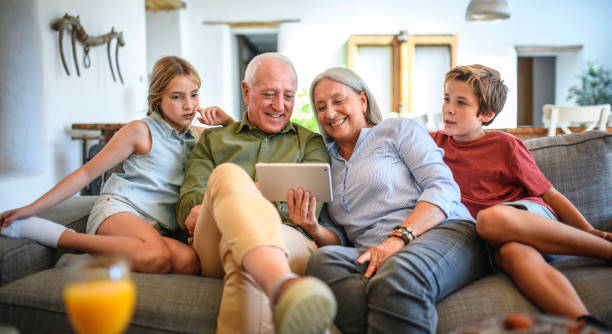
(108, 205)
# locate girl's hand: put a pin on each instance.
(302, 210)
(7, 217)
(601, 234)
(214, 116)
(379, 253)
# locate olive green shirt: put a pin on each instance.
(244, 144)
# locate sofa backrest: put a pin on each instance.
(579, 165)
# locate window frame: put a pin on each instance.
(403, 47)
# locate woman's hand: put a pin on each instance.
(7, 217)
(214, 116)
(192, 219)
(302, 210)
(379, 253)
(601, 234)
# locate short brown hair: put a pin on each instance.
(164, 71)
(486, 83)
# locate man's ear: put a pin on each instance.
(487, 116)
(245, 93)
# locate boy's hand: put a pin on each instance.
(601, 234)
(214, 116)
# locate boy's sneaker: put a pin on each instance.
(593, 322)
(306, 306)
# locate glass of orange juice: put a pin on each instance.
(100, 295)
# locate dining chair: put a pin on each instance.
(561, 117)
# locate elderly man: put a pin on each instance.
(238, 234)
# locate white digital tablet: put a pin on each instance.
(275, 179)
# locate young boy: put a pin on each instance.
(493, 168)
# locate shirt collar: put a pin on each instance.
(334, 148)
(245, 124)
(168, 131)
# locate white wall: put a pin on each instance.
(163, 35)
(19, 105)
(60, 99)
(40, 102)
(318, 41)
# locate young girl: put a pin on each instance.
(137, 207)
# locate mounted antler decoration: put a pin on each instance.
(73, 24)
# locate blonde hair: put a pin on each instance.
(486, 83)
(164, 71)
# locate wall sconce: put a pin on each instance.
(487, 10)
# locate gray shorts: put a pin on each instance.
(108, 205)
(531, 207)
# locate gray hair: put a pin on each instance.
(249, 74)
(353, 81)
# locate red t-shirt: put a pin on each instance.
(493, 169)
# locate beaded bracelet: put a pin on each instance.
(405, 233)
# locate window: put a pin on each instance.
(391, 65)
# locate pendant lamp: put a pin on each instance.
(487, 10)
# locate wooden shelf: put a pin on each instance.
(107, 129)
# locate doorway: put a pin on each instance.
(249, 46)
(535, 88)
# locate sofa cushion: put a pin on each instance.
(579, 165)
(496, 295)
(165, 303)
(21, 257)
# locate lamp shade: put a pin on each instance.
(486, 10)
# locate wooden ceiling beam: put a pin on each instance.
(158, 5)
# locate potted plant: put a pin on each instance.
(302, 114)
(595, 87)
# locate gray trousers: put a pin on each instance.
(401, 296)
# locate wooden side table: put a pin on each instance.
(107, 130)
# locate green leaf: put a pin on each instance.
(595, 86)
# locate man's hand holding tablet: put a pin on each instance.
(301, 185)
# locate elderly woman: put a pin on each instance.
(414, 242)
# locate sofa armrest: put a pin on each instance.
(22, 257)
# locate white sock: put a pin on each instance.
(38, 229)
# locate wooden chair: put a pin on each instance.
(559, 117)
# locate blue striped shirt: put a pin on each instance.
(394, 165)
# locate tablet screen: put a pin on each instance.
(275, 179)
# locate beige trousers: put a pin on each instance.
(234, 219)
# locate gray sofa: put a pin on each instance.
(579, 165)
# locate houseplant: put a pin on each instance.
(302, 113)
(595, 86)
